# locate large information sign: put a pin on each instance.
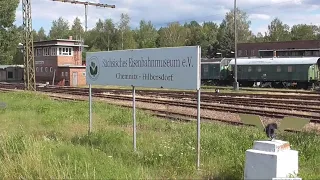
(172, 67)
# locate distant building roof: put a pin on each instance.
(72, 66)
(59, 42)
(276, 61)
(280, 42)
(7, 66)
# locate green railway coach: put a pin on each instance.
(297, 71)
(214, 71)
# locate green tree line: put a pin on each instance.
(108, 35)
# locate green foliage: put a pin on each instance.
(45, 139)
(60, 29)
(109, 36)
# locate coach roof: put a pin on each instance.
(276, 61)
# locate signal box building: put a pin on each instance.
(59, 61)
(301, 48)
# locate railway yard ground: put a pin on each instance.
(222, 89)
(45, 135)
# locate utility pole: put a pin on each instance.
(86, 4)
(236, 84)
(28, 52)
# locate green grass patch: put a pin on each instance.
(41, 138)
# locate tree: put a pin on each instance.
(277, 31)
(173, 35)
(259, 37)
(303, 32)
(8, 32)
(226, 32)
(147, 35)
(77, 30)
(243, 25)
(209, 43)
(125, 34)
(59, 29)
(40, 35)
(226, 41)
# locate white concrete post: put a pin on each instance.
(271, 159)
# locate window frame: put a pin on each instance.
(65, 51)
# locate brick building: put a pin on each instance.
(59, 61)
(299, 48)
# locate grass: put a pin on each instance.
(41, 138)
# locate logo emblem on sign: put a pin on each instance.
(94, 68)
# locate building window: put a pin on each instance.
(84, 73)
(289, 68)
(10, 75)
(50, 69)
(53, 51)
(240, 52)
(252, 52)
(46, 69)
(46, 51)
(38, 51)
(249, 69)
(246, 53)
(66, 74)
(37, 69)
(65, 51)
(41, 69)
(62, 73)
(278, 69)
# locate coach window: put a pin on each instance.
(205, 68)
(289, 68)
(249, 69)
(259, 68)
(278, 68)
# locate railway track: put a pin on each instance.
(251, 102)
(176, 115)
(299, 95)
(166, 114)
(241, 101)
(222, 108)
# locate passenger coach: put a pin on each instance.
(280, 72)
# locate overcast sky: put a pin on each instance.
(161, 12)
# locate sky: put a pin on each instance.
(162, 12)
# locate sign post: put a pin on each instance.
(198, 129)
(134, 118)
(90, 109)
(170, 67)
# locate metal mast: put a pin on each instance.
(86, 7)
(29, 72)
(235, 84)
